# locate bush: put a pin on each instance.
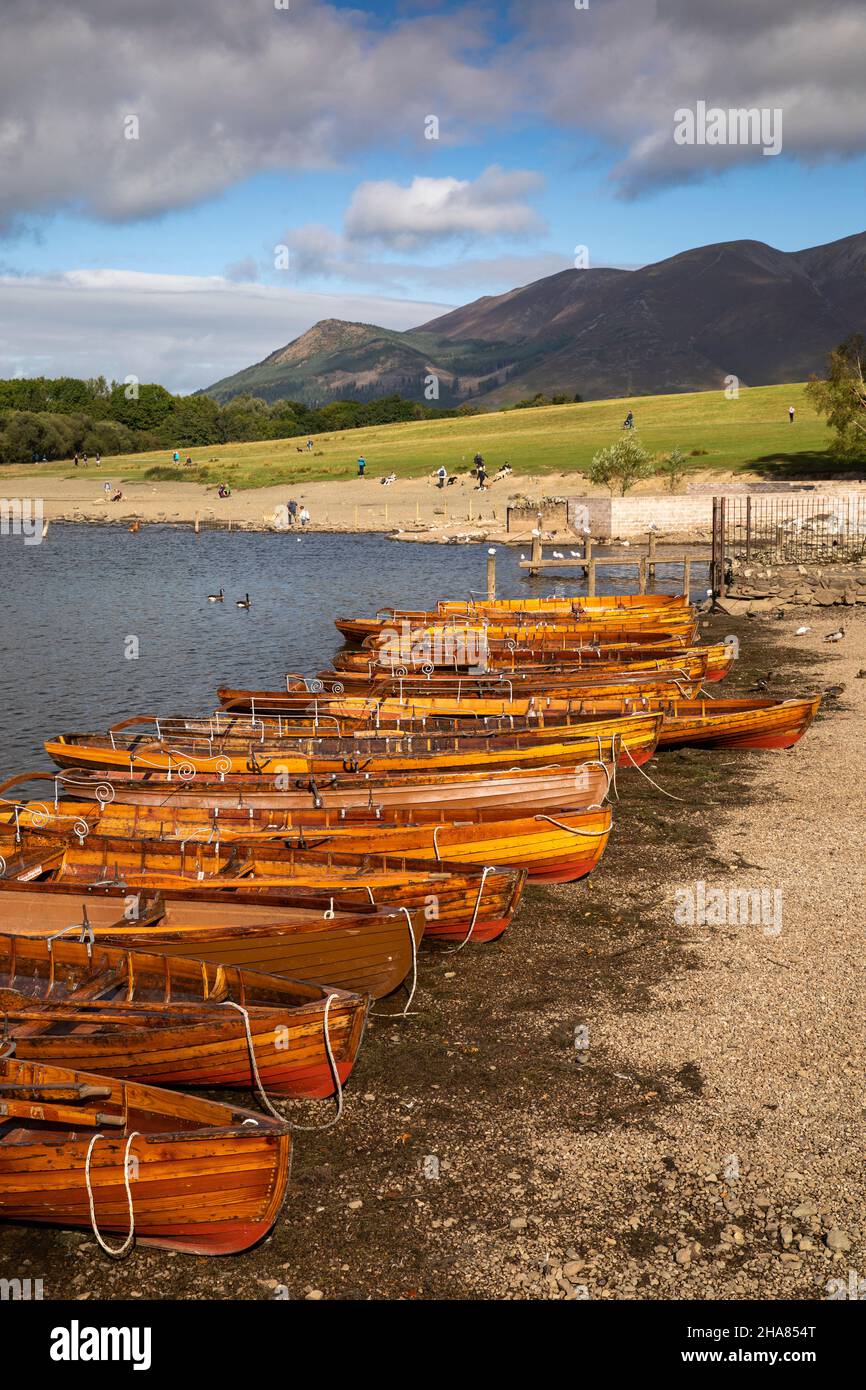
(621, 465)
(672, 468)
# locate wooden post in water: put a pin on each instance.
(651, 568)
(196, 523)
(590, 587)
(587, 555)
(642, 574)
(491, 576)
(535, 553)
(687, 575)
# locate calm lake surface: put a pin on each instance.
(71, 604)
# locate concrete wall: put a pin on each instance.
(672, 513)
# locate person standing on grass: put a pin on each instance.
(176, 457)
(362, 464)
(791, 413)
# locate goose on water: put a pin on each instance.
(243, 602)
(216, 598)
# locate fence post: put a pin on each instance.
(748, 528)
(722, 545)
(491, 578)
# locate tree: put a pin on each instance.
(621, 465)
(841, 396)
(673, 468)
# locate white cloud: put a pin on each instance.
(432, 210)
(621, 69)
(221, 90)
(183, 331)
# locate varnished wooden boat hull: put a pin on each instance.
(202, 1180)
(368, 953)
(559, 847)
(629, 740)
(737, 723)
(455, 793)
(148, 1018)
(457, 899)
(378, 684)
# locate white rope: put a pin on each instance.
(254, 1068)
(121, 1249)
(487, 870)
(572, 830)
(627, 750)
(414, 945)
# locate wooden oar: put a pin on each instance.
(80, 1091)
(61, 1114)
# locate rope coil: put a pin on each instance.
(120, 1250)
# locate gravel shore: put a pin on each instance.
(616, 1100)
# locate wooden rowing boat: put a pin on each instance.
(628, 740)
(681, 626)
(172, 1022)
(578, 786)
(179, 1171)
(560, 846)
(458, 901)
(377, 682)
(577, 604)
(700, 723)
(370, 952)
(370, 670)
(459, 652)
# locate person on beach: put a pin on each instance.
(223, 491)
(305, 516)
(292, 509)
(441, 475)
(118, 496)
(478, 461)
(106, 487)
(791, 413)
(362, 464)
(482, 477)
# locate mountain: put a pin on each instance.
(736, 308)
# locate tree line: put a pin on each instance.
(55, 418)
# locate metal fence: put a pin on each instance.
(790, 530)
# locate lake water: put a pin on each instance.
(72, 603)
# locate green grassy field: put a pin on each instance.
(751, 433)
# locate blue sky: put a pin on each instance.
(305, 129)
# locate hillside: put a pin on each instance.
(736, 308)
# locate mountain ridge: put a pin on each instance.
(733, 308)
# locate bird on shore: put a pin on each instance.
(835, 636)
(243, 602)
(801, 631)
(216, 598)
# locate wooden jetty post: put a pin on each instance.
(651, 557)
(687, 575)
(196, 523)
(590, 582)
(491, 576)
(641, 569)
